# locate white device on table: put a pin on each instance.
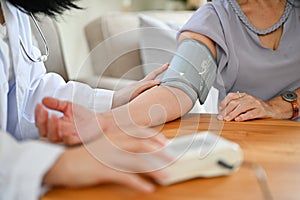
(202, 154)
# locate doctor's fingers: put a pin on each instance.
(128, 161)
(41, 119)
(52, 129)
(132, 134)
(137, 132)
(133, 181)
(69, 134)
(142, 86)
(71, 139)
(152, 75)
(60, 130)
(134, 145)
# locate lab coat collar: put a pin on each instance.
(4, 92)
(10, 12)
(15, 20)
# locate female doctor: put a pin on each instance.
(26, 166)
(23, 78)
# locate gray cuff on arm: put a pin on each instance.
(192, 69)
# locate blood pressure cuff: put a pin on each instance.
(192, 69)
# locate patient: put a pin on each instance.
(246, 49)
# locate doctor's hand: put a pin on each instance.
(128, 93)
(64, 129)
(79, 125)
(101, 161)
(242, 107)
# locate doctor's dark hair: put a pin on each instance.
(48, 7)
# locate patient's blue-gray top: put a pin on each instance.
(243, 63)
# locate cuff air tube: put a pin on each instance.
(192, 69)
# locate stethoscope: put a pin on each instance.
(41, 58)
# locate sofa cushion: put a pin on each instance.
(114, 40)
(116, 36)
(158, 37)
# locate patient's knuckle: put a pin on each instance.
(231, 95)
(232, 103)
(249, 116)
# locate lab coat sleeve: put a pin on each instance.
(32, 83)
(22, 167)
(53, 85)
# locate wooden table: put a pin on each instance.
(272, 144)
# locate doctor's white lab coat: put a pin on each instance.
(32, 83)
(23, 164)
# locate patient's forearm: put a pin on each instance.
(155, 106)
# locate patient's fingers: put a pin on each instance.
(229, 98)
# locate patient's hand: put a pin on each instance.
(242, 107)
(78, 125)
(128, 93)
